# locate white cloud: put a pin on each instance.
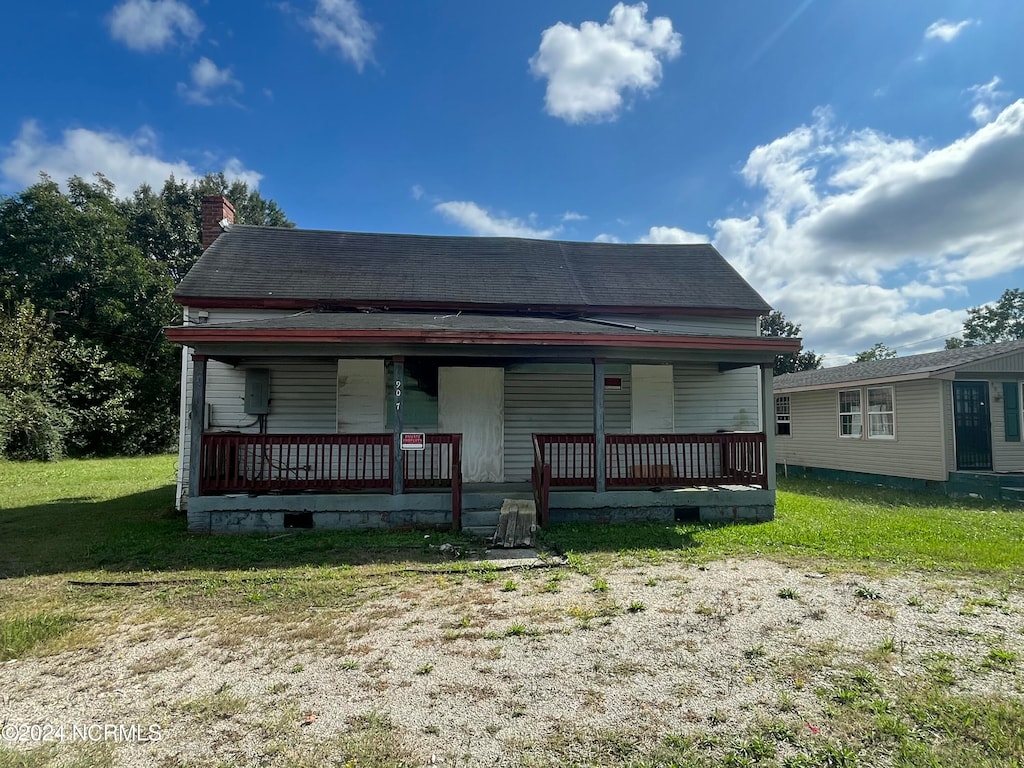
(480, 221)
(946, 31)
(417, 192)
(855, 229)
(339, 25)
(604, 237)
(987, 100)
(589, 68)
(151, 25)
(127, 161)
(210, 84)
(573, 216)
(672, 236)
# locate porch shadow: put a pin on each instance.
(623, 537)
(142, 532)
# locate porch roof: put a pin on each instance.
(460, 328)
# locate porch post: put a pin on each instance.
(197, 420)
(768, 421)
(397, 467)
(599, 464)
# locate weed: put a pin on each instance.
(787, 593)
(1000, 658)
(516, 630)
(509, 586)
(757, 652)
(431, 730)
(295, 669)
(636, 606)
(863, 592)
(426, 669)
(600, 585)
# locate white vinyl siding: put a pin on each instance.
(556, 398)
(916, 451)
(302, 400)
(709, 401)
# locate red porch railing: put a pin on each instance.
(256, 464)
(631, 461)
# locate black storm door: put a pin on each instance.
(973, 428)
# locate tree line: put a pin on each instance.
(86, 279)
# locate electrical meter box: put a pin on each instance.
(257, 391)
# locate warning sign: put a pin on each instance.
(413, 441)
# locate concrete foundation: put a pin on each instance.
(271, 513)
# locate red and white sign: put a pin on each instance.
(413, 441)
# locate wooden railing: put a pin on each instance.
(652, 460)
(258, 464)
(541, 477)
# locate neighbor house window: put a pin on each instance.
(782, 423)
(881, 413)
(850, 415)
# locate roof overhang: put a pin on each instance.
(197, 336)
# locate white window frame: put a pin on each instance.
(869, 432)
(857, 416)
(784, 417)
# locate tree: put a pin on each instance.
(878, 352)
(1001, 321)
(98, 273)
(954, 342)
(776, 324)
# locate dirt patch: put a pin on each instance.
(509, 672)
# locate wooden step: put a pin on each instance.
(517, 524)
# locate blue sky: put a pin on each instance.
(861, 162)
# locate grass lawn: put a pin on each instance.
(108, 521)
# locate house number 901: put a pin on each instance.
(398, 395)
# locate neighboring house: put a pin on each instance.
(340, 379)
(948, 421)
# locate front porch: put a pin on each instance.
(252, 482)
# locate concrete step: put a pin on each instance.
(475, 517)
(480, 531)
(1015, 495)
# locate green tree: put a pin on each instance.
(878, 352)
(776, 324)
(954, 342)
(1001, 321)
(99, 272)
(33, 421)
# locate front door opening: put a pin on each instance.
(972, 425)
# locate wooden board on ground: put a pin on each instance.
(516, 524)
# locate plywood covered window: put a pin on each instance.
(881, 413)
(850, 414)
(783, 425)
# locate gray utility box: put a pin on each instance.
(257, 391)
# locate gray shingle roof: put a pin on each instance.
(344, 268)
(912, 365)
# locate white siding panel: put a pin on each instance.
(556, 399)
(470, 402)
(652, 400)
(918, 450)
(360, 388)
(707, 401)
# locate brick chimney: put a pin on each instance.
(214, 210)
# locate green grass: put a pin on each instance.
(835, 521)
(21, 634)
(117, 515)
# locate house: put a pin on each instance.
(946, 421)
(343, 379)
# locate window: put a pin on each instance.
(783, 425)
(850, 417)
(881, 421)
